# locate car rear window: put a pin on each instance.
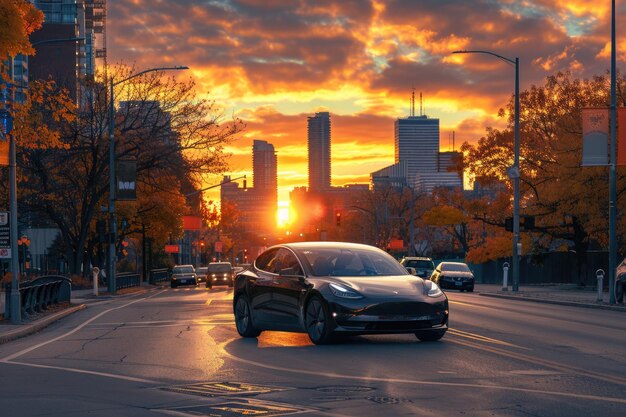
(182, 270)
(220, 268)
(455, 267)
(419, 264)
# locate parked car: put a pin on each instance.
(454, 275)
(201, 273)
(328, 288)
(183, 275)
(423, 266)
(620, 281)
(220, 273)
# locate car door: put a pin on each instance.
(288, 284)
(259, 287)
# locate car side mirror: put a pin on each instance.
(411, 270)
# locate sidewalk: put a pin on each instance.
(562, 294)
(80, 301)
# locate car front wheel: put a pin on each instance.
(243, 318)
(317, 321)
(430, 336)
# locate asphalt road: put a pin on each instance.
(176, 352)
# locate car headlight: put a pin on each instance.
(432, 289)
(343, 292)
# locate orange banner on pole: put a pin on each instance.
(595, 136)
(192, 223)
(621, 136)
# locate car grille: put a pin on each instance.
(403, 309)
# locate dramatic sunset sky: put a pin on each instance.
(275, 62)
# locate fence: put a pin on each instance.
(127, 280)
(159, 275)
(554, 267)
(37, 295)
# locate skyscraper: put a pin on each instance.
(264, 166)
(416, 140)
(66, 61)
(319, 151)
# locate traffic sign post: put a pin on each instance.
(5, 235)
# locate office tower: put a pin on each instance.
(65, 61)
(416, 141)
(264, 166)
(257, 205)
(319, 151)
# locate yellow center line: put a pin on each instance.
(481, 338)
(467, 304)
(542, 362)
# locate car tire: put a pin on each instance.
(209, 285)
(243, 318)
(430, 336)
(317, 321)
(470, 289)
(172, 285)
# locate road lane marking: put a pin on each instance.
(424, 383)
(543, 362)
(84, 371)
(9, 358)
(481, 338)
(469, 304)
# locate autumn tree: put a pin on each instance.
(568, 201)
(174, 136)
(18, 19)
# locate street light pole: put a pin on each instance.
(612, 163)
(112, 224)
(514, 172)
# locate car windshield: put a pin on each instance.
(220, 268)
(455, 267)
(421, 263)
(202, 270)
(182, 270)
(351, 262)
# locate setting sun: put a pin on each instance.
(282, 214)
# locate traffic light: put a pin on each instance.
(338, 218)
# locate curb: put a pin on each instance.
(558, 302)
(38, 325)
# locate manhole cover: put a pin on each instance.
(214, 389)
(344, 388)
(388, 400)
(236, 409)
(331, 399)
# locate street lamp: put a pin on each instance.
(15, 312)
(513, 172)
(612, 172)
(112, 225)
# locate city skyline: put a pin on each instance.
(276, 64)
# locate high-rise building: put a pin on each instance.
(264, 166)
(257, 205)
(416, 140)
(62, 60)
(319, 151)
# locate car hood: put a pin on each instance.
(403, 285)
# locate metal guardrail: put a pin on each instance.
(37, 295)
(159, 275)
(127, 280)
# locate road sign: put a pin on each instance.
(5, 235)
